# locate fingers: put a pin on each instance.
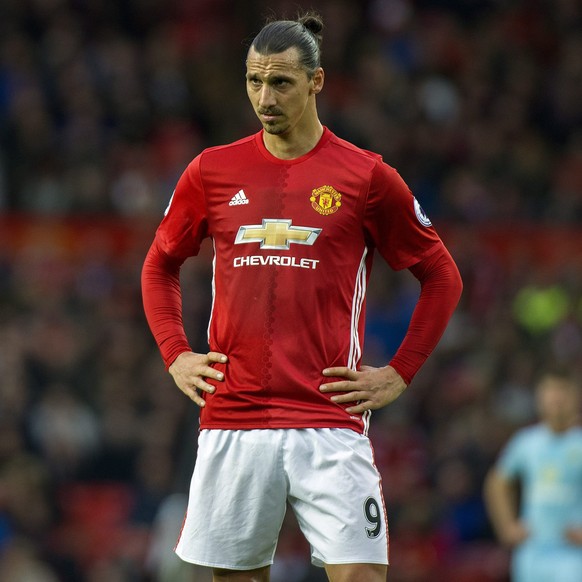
(348, 386)
(191, 386)
(216, 357)
(341, 372)
(191, 370)
(360, 408)
(202, 371)
(193, 395)
(198, 380)
(369, 388)
(361, 398)
(195, 376)
(364, 402)
(208, 372)
(342, 385)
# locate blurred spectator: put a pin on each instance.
(533, 490)
(64, 430)
(20, 562)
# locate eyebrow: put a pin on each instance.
(270, 77)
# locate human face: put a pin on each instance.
(281, 92)
(558, 402)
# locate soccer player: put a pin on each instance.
(546, 461)
(294, 214)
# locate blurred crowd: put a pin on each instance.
(477, 103)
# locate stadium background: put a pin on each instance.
(478, 104)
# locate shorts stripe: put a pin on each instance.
(181, 530)
(383, 504)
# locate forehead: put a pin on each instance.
(285, 62)
(552, 385)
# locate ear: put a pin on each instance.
(317, 81)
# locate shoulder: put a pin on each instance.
(229, 147)
(529, 434)
(519, 447)
(217, 154)
(213, 160)
(354, 152)
(365, 163)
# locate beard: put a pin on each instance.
(276, 127)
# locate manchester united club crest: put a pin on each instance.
(325, 200)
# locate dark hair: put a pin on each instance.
(304, 33)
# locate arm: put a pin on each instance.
(440, 291)
(574, 535)
(178, 237)
(441, 288)
(162, 299)
(501, 502)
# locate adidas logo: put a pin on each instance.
(239, 198)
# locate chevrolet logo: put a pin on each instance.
(276, 234)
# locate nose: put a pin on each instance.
(266, 96)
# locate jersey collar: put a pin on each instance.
(325, 137)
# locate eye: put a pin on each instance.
(254, 82)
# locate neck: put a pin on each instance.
(562, 424)
(294, 144)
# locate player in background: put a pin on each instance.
(545, 462)
(295, 215)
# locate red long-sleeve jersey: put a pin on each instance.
(293, 246)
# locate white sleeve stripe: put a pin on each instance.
(213, 289)
(357, 303)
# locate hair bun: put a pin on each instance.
(313, 23)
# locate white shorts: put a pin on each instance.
(243, 480)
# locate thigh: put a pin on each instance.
(356, 572)
(237, 500)
(335, 491)
(259, 575)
